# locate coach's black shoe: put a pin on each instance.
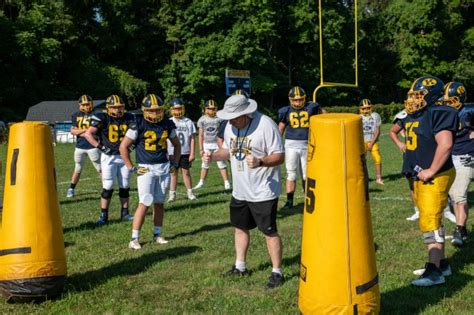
(288, 204)
(233, 272)
(459, 236)
(275, 280)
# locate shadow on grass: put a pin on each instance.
(285, 264)
(204, 228)
(78, 200)
(296, 209)
(89, 280)
(414, 300)
(393, 177)
(90, 226)
(192, 204)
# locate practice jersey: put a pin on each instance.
(297, 120)
(185, 129)
(370, 125)
(260, 138)
(82, 121)
(111, 130)
(464, 141)
(210, 127)
(150, 139)
(420, 130)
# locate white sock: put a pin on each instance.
(201, 182)
(240, 265)
(135, 234)
(172, 192)
(416, 209)
(157, 230)
(226, 182)
(276, 270)
(190, 191)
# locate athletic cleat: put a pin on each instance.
(159, 240)
(275, 280)
(430, 277)
(226, 186)
(127, 217)
(288, 204)
(103, 219)
(448, 215)
(379, 181)
(459, 236)
(443, 266)
(70, 193)
(134, 244)
(234, 272)
(191, 196)
(414, 217)
(172, 197)
(199, 185)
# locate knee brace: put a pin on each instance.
(106, 193)
(124, 192)
(291, 175)
(436, 236)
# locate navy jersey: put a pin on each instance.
(421, 129)
(111, 130)
(297, 120)
(463, 143)
(82, 121)
(220, 131)
(150, 140)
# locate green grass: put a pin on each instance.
(184, 276)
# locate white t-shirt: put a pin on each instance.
(370, 125)
(185, 129)
(260, 138)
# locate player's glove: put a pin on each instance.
(104, 149)
(173, 167)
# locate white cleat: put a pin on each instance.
(160, 240)
(448, 215)
(199, 185)
(134, 244)
(191, 196)
(414, 217)
(172, 197)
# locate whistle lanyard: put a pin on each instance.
(239, 145)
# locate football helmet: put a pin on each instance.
(365, 107)
(86, 104)
(454, 95)
(241, 92)
(177, 108)
(297, 97)
(153, 108)
(115, 106)
(210, 108)
(424, 91)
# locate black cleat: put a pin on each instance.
(234, 272)
(288, 204)
(459, 236)
(275, 280)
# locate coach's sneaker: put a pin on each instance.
(191, 196)
(103, 219)
(172, 196)
(275, 280)
(226, 185)
(70, 193)
(443, 266)
(414, 217)
(159, 239)
(459, 236)
(199, 185)
(448, 215)
(134, 244)
(233, 272)
(431, 276)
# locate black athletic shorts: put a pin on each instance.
(248, 215)
(410, 180)
(183, 162)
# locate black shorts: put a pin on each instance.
(183, 161)
(247, 215)
(410, 180)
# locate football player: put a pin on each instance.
(81, 120)
(463, 157)
(149, 133)
(185, 130)
(429, 131)
(371, 122)
(110, 128)
(294, 118)
(208, 126)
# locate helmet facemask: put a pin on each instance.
(415, 101)
(153, 114)
(297, 102)
(177, 111)
(86, 107)
(116, 111)
(365, 110)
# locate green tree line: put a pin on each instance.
(58, 50)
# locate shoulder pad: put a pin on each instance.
(400, 116)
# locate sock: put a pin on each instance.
(277, 270)
(190, 191)
(172, 192)
(135, 234)
(104, 213)
(289, 196)
(240, 265)
(157, 231)
(72, 186)
(416, 209)
(201, 182)
(226, 182)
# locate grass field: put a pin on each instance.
(184, 276)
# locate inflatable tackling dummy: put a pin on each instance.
(32, 259)
(338, 272)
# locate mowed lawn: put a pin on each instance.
(184, 276)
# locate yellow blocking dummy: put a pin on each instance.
(32, 258)
(338, 271)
